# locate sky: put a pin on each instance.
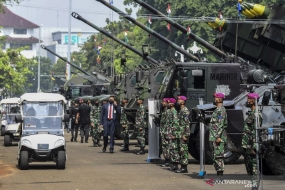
(54, 13)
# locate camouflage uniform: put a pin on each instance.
(184, 131)
(248, 143)
(125, 130)
(172, 129)
(95, 119)
(164, 140)
(141, 123)
(218, 126)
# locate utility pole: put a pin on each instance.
(39, 62)
(69, 40)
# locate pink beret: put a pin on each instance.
(181, 98)
(165, 99)
(252, 95)
(171, 100)
(219, 95)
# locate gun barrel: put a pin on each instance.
(65, 60)
(168, 42)
(151, 60)
(182, 29)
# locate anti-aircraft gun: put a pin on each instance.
(97, 82)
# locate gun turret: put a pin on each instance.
(155, 34)
(182, 29)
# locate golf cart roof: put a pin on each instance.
(10, 101)
(42, 97)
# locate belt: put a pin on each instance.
(110, 119)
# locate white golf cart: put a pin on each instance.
(9, 127)
(42, 115)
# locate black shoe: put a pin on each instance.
(174, 167)
(141, 151)
(104, 149)
(183, 169)
(166, 164)
(75, 140)
(220, 173)
(111, 150)
(95, 145)
(81, 140)
(86, 141)
(98, 143)
(71, 139)
(125, 149)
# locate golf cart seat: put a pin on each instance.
(53, 122)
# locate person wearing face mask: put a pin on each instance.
(108, 120)
(172, 134)
(141, 125)
(217, 128)
(183, 133)
(249, 138)
(95, 119)
(162, 130)
(85, 122)
(124, 124)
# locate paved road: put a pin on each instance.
(88, 168)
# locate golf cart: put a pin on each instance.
(42, 117)
(9, 127)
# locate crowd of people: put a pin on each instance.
(174, 129)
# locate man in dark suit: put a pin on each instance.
(108, 119)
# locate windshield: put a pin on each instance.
(11, 108)
(42, 116)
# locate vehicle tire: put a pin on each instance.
(7, 140)
(230, 157)
(60, 162)
(275, 161)
(192, 148)
(2, 130)
(24, 160)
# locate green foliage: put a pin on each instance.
(15, 71)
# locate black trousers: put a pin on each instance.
(75, 127)
(84, 130)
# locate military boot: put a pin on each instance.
(141, 151)
(166, 164)
(183, 169)
(220, 173)
(174, 166)
(126, 148)
(98, 143)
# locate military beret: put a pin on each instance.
(252, 96)
(126, 99)
(181, 98)
(80, 99)
(165, 99)
(219, 95)
(171, 100)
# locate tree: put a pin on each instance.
(15, 71)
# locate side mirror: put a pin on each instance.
(116, 80)
(183, 84)
(197, 73)
(18, 118)
(266, 98)
(66, 118)
(138, 76)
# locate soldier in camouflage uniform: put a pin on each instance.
(172, 134)
(95, 123)
(249, 139)
(218, 137)
(141, 125)
(164, 140)
(124, 124)
(184, 133)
